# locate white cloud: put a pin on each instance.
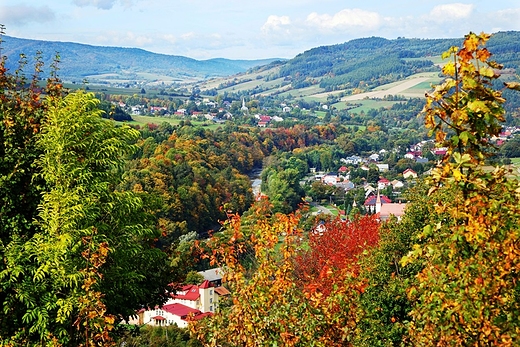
(188, 36)
(128, 39)
(509, 18)
(172, 39)
(19, 15)
(447, 12)
(276, 23)
(345, 19)
(102, 4)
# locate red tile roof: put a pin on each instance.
(206, 284)
(190, 292)
(371, 200)
(180, 310)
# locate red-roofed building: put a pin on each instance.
(193, 302)
(371, 201)
(382, 183)
(170, 314)
(385, 208)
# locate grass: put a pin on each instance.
(515, 161)
(333, 209)
(142, 120)
(366, 105)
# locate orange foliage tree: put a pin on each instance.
(467, 294)
(271, 303)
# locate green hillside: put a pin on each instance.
(361, 69)
(117, 64)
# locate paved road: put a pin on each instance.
(321, 208)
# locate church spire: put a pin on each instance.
(378, 202)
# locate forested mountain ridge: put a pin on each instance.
(374, 61)
(79, 61)
(359, 63)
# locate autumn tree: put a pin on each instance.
(467, 292)
(333, 248)
(22, 109)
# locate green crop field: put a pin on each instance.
(142, 120)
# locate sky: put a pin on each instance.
(249, 29)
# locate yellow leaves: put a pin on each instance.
(449, 52)
(457, 175)
(512, 85)
(478, 106)
(487, 72)
(471, 42)
(449, 69)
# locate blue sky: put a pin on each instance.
(248, 29)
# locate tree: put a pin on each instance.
(90, 261)
(384, 307)
(467, 294)
(334, 247)
(22, 110)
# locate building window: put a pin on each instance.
(210, 300)
(211, 308)
(211, 292)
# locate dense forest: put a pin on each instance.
(99, 219)
(370, 62)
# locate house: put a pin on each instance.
(385, 208)
(346, 185)
(354, 160)
(169, 314)
(192, 302)
(410, 155)
(383, 167)
(372, 201)
(396, 184)
(409, 173)
(331, 178)
(391, 209)
(214, 276)
(343, 170)
(374, 157)
(382, 183)
(156, 109)
(440, 151)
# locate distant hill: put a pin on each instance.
(363, 74)
(80, 61)
(374, 61)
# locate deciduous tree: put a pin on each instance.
(468, 292)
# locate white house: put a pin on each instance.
(330, 178)
(170, 314)
(409, 173)
(383, 167)
(192, 302)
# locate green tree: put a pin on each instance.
(22, 110)
(92, 259)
